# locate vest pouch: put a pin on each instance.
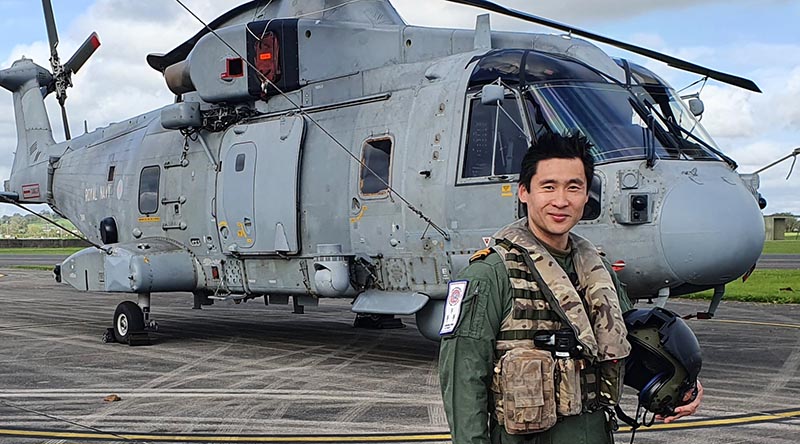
(568, 387)
(611, 375)
(527, 385)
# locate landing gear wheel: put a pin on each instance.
(128, 321)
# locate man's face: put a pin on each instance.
(555, 198)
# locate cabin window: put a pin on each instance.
(377, 156)
(111, 173)
(495, 141)
(148, 189)
(240, 162)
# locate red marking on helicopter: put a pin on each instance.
(95, 40)
(31, 191)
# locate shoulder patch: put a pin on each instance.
(480, 254)
(452, 307)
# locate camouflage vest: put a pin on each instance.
(601, 332)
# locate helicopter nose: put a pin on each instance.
(712, 231)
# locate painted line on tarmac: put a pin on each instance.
(762, 324)
(384, 438)
(431, 437)
(752, 418)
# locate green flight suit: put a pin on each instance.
(466, 362)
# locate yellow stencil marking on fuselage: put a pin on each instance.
(359, 216)
(145, 220)
(506, 190)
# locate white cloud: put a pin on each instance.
(729, 113)
(442, 13)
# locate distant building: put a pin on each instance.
(775, 227)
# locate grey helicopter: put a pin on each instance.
(327, 149)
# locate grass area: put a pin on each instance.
(773, 286)
(32, 267)
(788, 246)
(53, 251)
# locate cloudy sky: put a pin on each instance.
(756, 39)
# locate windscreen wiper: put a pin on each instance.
(679, 130)
(649, 139)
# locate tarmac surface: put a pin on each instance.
(779, 261)
(10, 260)
(216, 374)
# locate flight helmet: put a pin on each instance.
(665, 359)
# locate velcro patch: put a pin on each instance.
(452, 307)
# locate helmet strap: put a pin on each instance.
(634, 422)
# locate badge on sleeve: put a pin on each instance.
(452, 308)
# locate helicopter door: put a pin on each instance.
(236, 226)
(259, 187)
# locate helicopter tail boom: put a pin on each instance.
(28, 83)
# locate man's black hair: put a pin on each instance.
(557, 146)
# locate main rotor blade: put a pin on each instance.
(671, 61)
(66, 122)
(50, 22)
(82, 54)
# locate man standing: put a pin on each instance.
(533, 339)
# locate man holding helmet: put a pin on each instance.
(533, 339)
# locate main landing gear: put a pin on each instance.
(131, 323)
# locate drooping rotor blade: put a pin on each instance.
(82, 54)
(671, 61)
(50, 21)
(66, 122)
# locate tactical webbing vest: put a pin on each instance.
(553, 303)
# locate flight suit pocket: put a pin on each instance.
(568, 387)
(527, 384)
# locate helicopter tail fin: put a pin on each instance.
(29, 84)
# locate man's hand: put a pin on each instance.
(688, 409)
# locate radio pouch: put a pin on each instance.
(527, 385)
(568, 386)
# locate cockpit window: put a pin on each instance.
(539, 67)
(605, 115)
(496, 140)
(562, 94)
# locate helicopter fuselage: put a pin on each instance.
(377, 180)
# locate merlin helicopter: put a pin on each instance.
(327, 149)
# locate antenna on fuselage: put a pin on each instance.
(62, 74)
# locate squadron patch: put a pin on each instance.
(452, 308)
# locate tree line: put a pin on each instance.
(18, 226)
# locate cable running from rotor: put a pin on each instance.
(56, 418)
(79, 236)
(266, 81)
